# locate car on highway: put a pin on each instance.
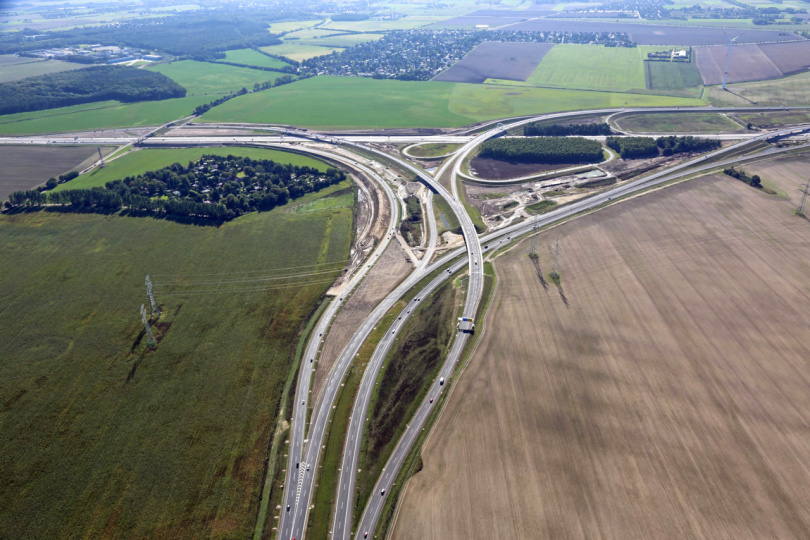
(288, 508)
(441, 381)
(431, 400)
(382, 491)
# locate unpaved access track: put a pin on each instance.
(662, 392)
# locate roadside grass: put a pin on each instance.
(540, 207)
(773, 93)
(366, 102)
(405, 377)
(205, 78)
(104, 114)
(111, 439)
(430, 150)
(249, 57)
(152, 159)
(442, 207)
(413, 463)
(698, 122)
(472, 210)
(775, 118)
(299, 51)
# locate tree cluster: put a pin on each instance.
(215, 187)
(559, 130)
(676, 145)
(753, 181)
(258, 87)
(419, 55)
(88, 85)
(414, 219)
(543, 150)
(633, 147)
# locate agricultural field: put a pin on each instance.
(405, 23)
(344, 40)
(206, 78)
(249, 57)
(30, 67)
(106, 438)
(496, 60)
(648, 34)
(104, 114)
(673, 77)
(698, 122)
(140, 161)
(657, 392)
(299, 51)
(292, 26)
(591, 67)
(25, 167)
(388, 103)
(777, 92)
(753, 62)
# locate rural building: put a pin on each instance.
(678, 54)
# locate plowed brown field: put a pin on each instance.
(663, 392)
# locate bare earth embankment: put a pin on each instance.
(662, 393)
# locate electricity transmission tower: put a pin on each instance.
(533, 252)
(150, 337)
(151, 294)
(100, 157)
(805, 190)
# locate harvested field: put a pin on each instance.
(777, 92)
(663, 396)
(25, 167)
(496, 60)
(647, 34)
(496, 169)
(753, 62)
(775, 119)
(677, 123)
(386, 274)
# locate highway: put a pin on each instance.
(293, 523)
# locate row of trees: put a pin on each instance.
(92, 84)
(215, 187)
(258, 87)
(633, 147)
(543, 150)
(646, 147)
(753, 181)
(559, 130)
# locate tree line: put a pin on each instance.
(280, 81)
(88, 85)
(753, 181)
(214, 187)
(543, 150)
(558, 130)
(645, 147)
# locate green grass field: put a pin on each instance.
(332, 102)
(776, 92)
(432, 149)
(346, 40)
(404, 23)
(299, 51)
(590, 67)
(102, 438)
(678, 123)
(204, 78)
(673, 76)
(291, 26)
(105, 114)
(140, 161)
(249, 57)
(776, 118)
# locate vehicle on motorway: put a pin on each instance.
(441, 381)
(431, 400)
(382, 491)
(288, 508)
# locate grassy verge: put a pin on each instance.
(430, 150)
(472, 211)
(413, 463)
(541, 207)
(678, 123)
(404, 379)
(442, 207)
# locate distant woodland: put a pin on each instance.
(187, 37)
(97, 83)
(543, 150)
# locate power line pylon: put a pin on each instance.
(555, 271)
(151, 294)
(150, 337)
(533, 252)
(805, 190)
